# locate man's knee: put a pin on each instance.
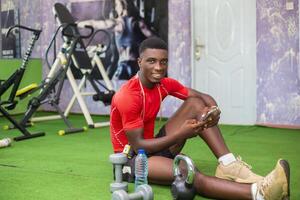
(195, 103)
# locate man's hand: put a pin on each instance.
(190, 128)
(211, 116)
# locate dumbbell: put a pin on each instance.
(182, 188)
(143, 192)
(118, 160)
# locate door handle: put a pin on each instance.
(198, 48)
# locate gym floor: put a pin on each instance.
(76, 166)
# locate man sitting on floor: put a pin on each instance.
(133, 112)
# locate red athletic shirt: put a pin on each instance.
(135, 106)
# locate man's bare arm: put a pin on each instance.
(210, 104)
(189, 129)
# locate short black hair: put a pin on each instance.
(153, 43)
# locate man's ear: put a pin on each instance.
(139, 60)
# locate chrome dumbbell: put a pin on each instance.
(143, 192)
(118, 160)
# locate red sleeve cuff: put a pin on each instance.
(131, 126)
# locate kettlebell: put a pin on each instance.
(182, 187)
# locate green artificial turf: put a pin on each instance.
(76, 166)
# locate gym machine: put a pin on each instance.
(87, 68)
(14, 81)
(51, 87)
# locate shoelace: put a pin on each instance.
(239, 159)
(264, 184)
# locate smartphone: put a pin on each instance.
(213, 111)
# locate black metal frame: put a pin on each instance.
(14, 81)
(50, 89)
(81, 57)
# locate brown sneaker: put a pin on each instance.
(276, 185)
(237, 171)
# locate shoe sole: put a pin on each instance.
(286, 167)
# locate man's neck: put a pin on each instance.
(145, 83)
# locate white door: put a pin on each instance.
(224, 56)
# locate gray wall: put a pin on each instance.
(278, 72)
